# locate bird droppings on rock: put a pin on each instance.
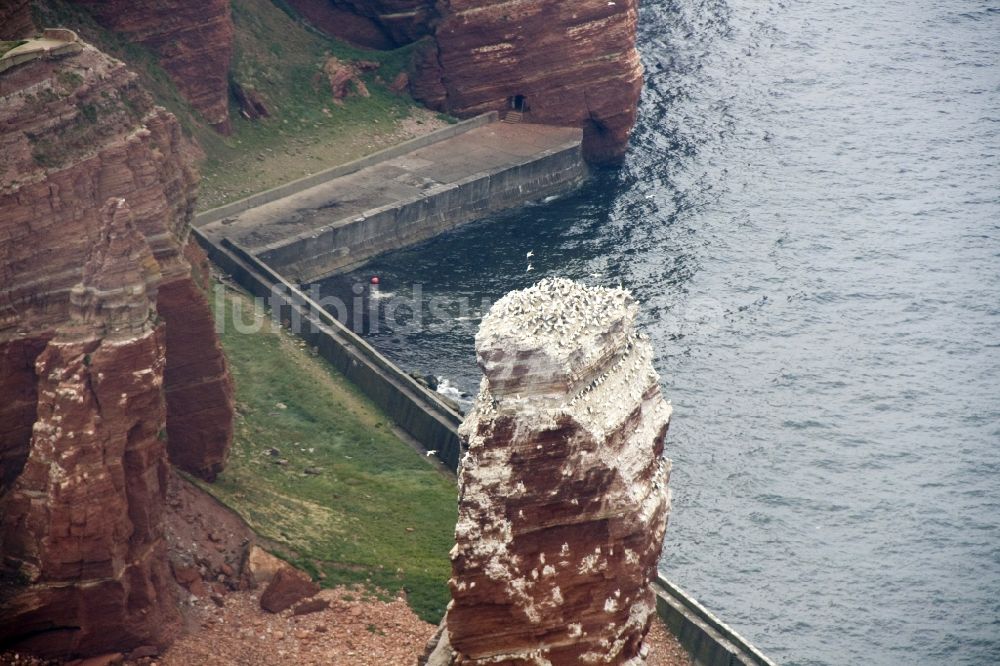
(563, 489)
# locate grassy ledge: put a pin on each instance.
(10, 45)
(316, 466)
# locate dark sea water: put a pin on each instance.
(810, 215)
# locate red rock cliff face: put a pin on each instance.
(105, 352)
(76, 132)
(192, 38)
(574, 63)
(563, 492)
(84, 559)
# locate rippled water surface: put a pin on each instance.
(810, 215)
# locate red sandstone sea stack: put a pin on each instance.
(84, 559)
(563, 490)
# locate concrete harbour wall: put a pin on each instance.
(343, 217)
(709, 640)
(413, 407)
(282, 191)
(341, 247)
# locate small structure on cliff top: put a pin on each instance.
(53, 42)
(563, 489)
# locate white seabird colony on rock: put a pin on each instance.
(563, 487)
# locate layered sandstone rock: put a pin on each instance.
(76, 132)
(106, 349)
(567, 63)
(193, 41)
(288, 587)
(84, 560)
(345, 79)
(563, 490)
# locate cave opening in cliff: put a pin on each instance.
(518, 103)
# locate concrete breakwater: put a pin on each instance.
(417, 410)
(709, 640)
(322, 228)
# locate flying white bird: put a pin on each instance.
(530, 254)
(430, 453)
(530, 267)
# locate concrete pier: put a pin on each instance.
(336, 225)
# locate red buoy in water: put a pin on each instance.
(374, 279)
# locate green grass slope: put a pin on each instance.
(280, 59)
(315, 466)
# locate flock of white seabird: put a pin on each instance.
(558, 308)
(557, 311)
(629, 378)
(584, 393)
(660, 476)
(571, 318)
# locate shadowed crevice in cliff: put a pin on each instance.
(375, 24)
(19, 388)
(198, 388)
(342, 23)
